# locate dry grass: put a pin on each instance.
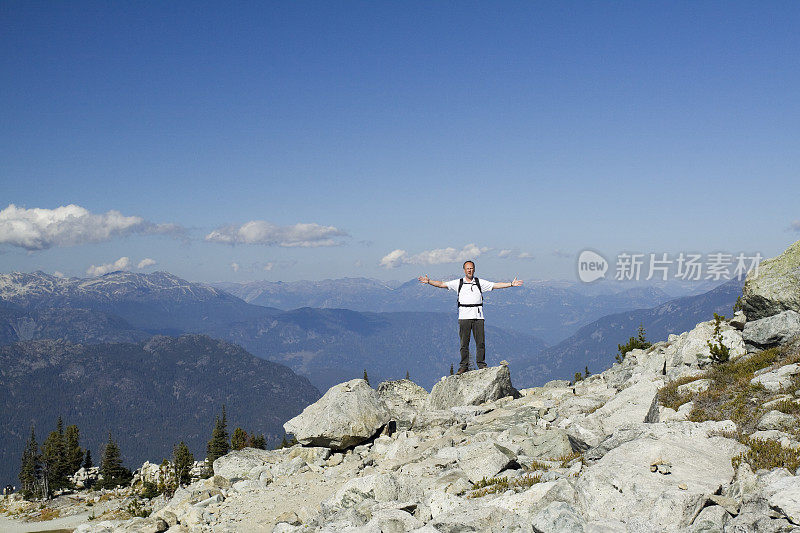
(569, 459)
(47, 514)
(668, 395)
(767, 454)
(537, 465)
(497, 485)
(731, 396)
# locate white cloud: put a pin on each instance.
(235, 267)
(437, 256)
(394, 259)
(269, 266)
(795, 226)
(59, 274)
(513, 254)
(562, 254)
(69, 225)
(266, 233)
(120, 264)
(146, 262)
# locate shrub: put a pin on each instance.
(719, 352)
(767, 454)
(634, 343)
(149, 490)
(668, 395)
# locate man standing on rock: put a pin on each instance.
(469, 290)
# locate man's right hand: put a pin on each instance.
(424, 279)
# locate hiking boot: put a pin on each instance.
(481, 366)
(461, 371)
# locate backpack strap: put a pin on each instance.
(458, 294)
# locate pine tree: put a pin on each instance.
(239, 439)
(218, 445)
(31, 469)
(366, 378)
(183, 460)
(260, 442)
(53, 463)
(111, 468)
(407, 375)
(451, 369)
(72, 451)
(88, 463)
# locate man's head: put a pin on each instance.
(469, 269)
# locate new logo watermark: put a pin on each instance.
(591, 266)
(684, 266)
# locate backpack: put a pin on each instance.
(458, 294)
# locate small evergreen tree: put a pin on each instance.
(218, 445)
(718, 351)
(366, 378)
(408, 376)
(72, 450)
(451, 369)
(239, 439)
(88, 463)
(183, 460)
(634, 343)
(111, 468)
(260, 442)
(31, 469)
(53, 463)
(287, 443)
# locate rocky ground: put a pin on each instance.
(697, 433)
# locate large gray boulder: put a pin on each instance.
(635, 404)
(403, 398)
(623, 485)
(237, 464)
(472, 388)
(783, 496)
(483, 460)
(771, 331)
(776, 288)
(348, 414)
(777, 379)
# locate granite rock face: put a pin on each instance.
(403, 398)
(346, 415)
(776, 288)
(472, 388)
(771, 331)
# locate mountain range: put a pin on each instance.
(150, 395)
(550, 311)
(86, 346)
(595, 345)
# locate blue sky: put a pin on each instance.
(200, 135)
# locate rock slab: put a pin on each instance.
(776, 288)
(472, 388)
(348, 414)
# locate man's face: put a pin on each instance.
(469, 270)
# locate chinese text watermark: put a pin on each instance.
(682, 266)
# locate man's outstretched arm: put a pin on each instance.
(429, 281)
(506, 284)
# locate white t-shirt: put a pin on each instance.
(470, 295)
